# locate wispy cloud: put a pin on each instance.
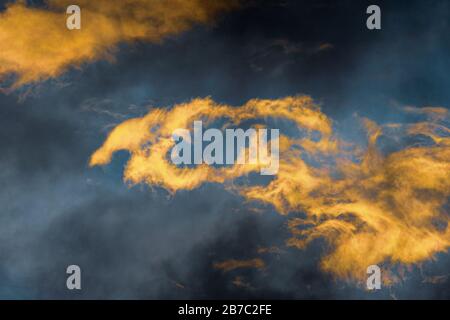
(229, 265)
(36, 45)
(371, 208)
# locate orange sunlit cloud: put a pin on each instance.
(372, 208)
(229, 265)
(39, 46)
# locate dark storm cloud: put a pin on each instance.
(139, 243)
(226, 61)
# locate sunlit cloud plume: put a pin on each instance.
(36, 45)
(371, 207)
(149, 139)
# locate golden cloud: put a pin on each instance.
(371, 207)
(233, 264)
(36, 45)
(149, 139)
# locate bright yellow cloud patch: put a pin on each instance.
(371, 208)
(36, 45)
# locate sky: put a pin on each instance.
(63, 93)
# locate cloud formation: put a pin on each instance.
(371, 207)
(39, 46)
(232, 264)
(149, 139)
